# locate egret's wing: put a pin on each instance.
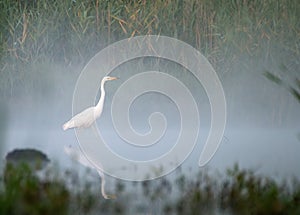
(82, 119)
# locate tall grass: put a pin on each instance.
(70, 32)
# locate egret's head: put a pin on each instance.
(109, 78)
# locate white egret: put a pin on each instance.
(78, 156)
(84, 120)
(87, 117)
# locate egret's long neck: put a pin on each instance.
(99, 106)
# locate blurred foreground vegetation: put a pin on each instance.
(239, 191)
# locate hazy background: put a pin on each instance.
(262, 130)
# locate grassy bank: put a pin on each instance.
(69, 33)
(239, 191)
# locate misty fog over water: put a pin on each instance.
(262, 130)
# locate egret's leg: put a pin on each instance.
(102, 176)
(94, 128)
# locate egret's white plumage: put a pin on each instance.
(84, 120)
(87, 117)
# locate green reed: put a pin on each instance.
(70, 32)
(71, 29)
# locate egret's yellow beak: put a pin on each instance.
(113, 78)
